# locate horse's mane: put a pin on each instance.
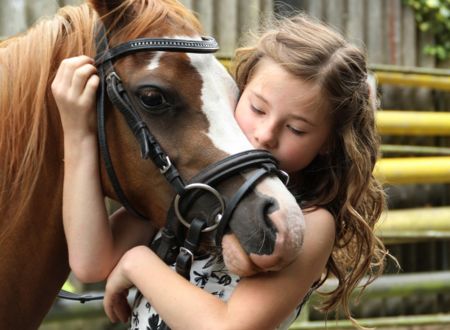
(28, 64)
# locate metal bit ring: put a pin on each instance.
(208, 188)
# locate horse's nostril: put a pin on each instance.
(256, 230)
(269, 206)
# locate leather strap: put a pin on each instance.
(187, 252)
(103, 71)
(150, 148)
(82, 298)
(235, 164)
(237, 197)
(206, 45)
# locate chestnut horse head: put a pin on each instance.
(184, 100)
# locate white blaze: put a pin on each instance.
(154, 63)
(219, 93)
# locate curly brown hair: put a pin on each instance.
(341, 180)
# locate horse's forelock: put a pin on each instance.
(134, 18)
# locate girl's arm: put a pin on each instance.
(94, 247)
(262, 301)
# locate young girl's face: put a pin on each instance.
(278, 112)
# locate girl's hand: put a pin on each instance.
(115, 301)
(74, 89)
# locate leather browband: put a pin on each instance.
(206, 45)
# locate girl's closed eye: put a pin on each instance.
(295, 130)
(256, 110)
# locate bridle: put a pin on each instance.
(171, 246)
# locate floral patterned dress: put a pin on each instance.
(208, 273)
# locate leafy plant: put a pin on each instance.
(434, 16)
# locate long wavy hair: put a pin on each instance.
(341, 180)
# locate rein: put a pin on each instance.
(170, 246)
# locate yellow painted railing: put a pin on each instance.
(414, 224)
(413, 170)
(396, 122)
(413, 80)
(438, 79)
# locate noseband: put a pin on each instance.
(260, 161)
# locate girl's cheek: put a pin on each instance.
(241, 120)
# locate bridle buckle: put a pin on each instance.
(166, 167)
(188, 252)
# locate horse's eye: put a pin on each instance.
(151, 98)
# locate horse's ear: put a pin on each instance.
(103, 7)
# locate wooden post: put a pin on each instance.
(335, 14)
(187, 3)
(355, 22)
(39, 9)
(408, 52)
(249, 15)
(267, 7)
(70, 2)
(205, 12)
(393, 27)
(376, 38)
(424, 98)
(315, 9)
(12, 17)
(226, 28)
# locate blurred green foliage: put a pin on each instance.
(434, 16)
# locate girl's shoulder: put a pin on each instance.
(320, 229)
(320, 214)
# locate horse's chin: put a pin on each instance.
(239, 262)
(236, 259)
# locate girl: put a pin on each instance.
(305, 98)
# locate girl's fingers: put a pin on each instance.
(65, 72)
(117, 308)
(122, 309)
(80, 78)
(90, 90)
(109, 310)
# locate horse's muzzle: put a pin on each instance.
(270, 231)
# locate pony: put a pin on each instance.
(197, 130)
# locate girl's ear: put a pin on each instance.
(103, 7)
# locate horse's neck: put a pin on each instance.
(34, 261)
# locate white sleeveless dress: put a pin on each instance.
(208, 273)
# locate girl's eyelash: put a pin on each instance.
(255, 109)
(296, 131)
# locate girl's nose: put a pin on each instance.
(266, 136)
